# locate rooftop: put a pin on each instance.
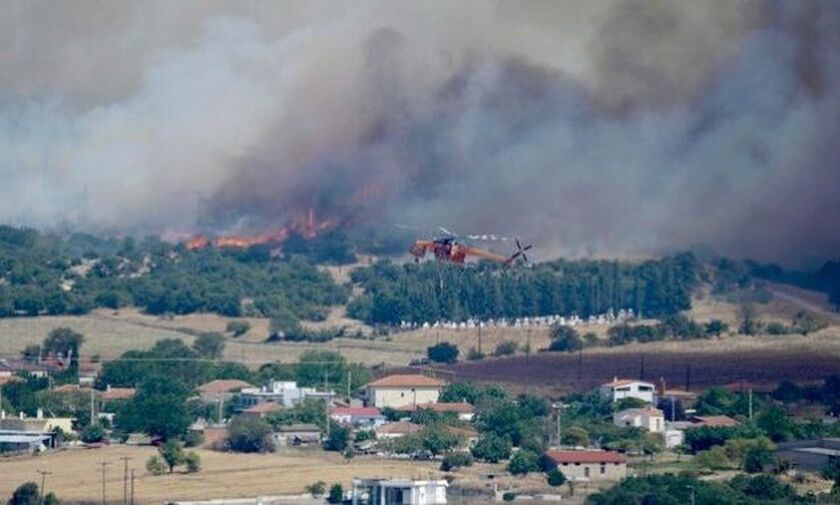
(263, 408)
(400, 427)
(714, 421)
(223, 386)
(585, 457)
(459, 407)
(648, 411)
(356, 411)
(394, 381)
(118, 393)
(616, 382)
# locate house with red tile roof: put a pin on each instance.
(397, 429)
(261, 410)
(360, 417)
(589, 465)
(221, 389)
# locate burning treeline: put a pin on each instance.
(307, 226)
(607, 125)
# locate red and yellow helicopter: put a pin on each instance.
(450, 248)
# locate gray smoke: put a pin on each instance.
(591, 127)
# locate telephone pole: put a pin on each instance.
(103, 464)
(43, 490)
(125, 460)
(132, 487)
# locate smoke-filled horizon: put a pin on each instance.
(607, 127)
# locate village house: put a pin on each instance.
(620, 389)
(396, 430)
(221, 389)
(298, 435)
(358, 417)
(648, 418)
(261, 410)
(399, 492)
(463, 410)
(589, 465)
(396, 391)
(285, 393)
(42, 370)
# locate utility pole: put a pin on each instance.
(132, 487)
(103, 464)
(528, 344)
(125, 460)
(92, 421)
(326, 403)
(349, 381)
(479, 339)
(642, 368)
(43, 490)
(751, 404)
(559, 435)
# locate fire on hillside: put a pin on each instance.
(306, 225)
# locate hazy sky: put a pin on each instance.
(614, 126)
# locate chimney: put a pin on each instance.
(21, 415)
(661, 389)
(39, 414)
(108, 387)
(2, 414)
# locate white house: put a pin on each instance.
(397, 391)
(362, 417)
(648, 419)
(399, 492)
(285, 393)
(619, 389)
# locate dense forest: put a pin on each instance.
(437, 291)
(46, 274)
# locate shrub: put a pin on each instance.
(474, 355)
(509, 496)
(336, 494)
(238, 328)
(492, 448)
(564, 339)
(316, 488)
(455, 460)
(155, 466)
(443, 352)
(193, 462)
(249, 435)
(555, 478)
(193, 438)
(93, 433)
(506, 348)
(523, 462)
(776, 328)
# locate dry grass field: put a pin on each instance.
(76, 474)
(109, 333)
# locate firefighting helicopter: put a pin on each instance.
(450, 248)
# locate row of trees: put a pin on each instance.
(438, 291)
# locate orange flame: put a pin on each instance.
(306, 225)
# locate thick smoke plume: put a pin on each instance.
(607, 127)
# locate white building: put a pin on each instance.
(619, 389)
(399, 492)
(649, 419)
(285, 393)
(397, 391)
(673, 438)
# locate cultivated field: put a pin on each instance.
(76, 474)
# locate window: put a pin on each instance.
(603, 468)
(586, 471)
